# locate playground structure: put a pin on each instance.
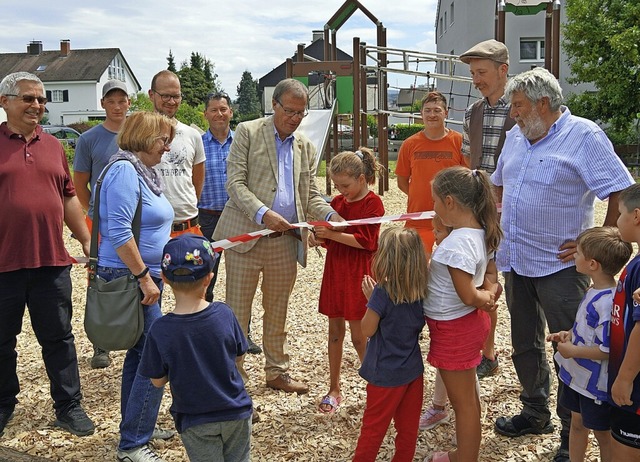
(346, 86)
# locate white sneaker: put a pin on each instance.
(139, 454)
(432, 418)
(162, 434)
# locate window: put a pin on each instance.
(116, 69)
(531, 49)
(56, 96)
(451, 13)
(445, 21)
(440, 28)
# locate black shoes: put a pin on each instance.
(75, 420)
(520, 424)
(487, 367)
(253, 348)
(100, 358)
(5, 416)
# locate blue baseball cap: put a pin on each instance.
(187, 258)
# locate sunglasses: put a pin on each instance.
(29, 99)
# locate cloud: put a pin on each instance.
(236, 36)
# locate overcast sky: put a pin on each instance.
(253, 35)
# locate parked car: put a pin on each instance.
(66, 135)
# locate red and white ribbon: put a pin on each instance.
(224, 244)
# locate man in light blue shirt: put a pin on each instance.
(551, 169)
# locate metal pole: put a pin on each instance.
(555, 62)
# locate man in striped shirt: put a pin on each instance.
(548, 175)
(486, 123)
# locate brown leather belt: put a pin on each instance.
(211, 212)
(289, 232)
(184, 225)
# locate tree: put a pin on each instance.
(186, 114)
(197, 79)
(248, 102)
(601, 41)
(171, 63)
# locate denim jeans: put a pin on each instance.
(208, 225)
(46, 292)
(139, 399)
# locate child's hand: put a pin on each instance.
(621, 391)
(559, 337)
(313, 240)
(636, 296)
(490, 304)
(323, 233)
(368, 283)
(566, 349)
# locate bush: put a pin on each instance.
(69, 152)
(404, 131)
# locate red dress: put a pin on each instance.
(341, 292)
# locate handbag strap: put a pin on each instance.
(135, 225)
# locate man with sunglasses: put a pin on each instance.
(38, 196)
(182, 168)
(271, 184)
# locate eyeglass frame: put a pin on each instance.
(30, 97)
(291, 114)
(166, 98)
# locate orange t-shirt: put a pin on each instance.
(420, 159)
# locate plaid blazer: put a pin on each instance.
(252, 180)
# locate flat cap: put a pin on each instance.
(114, 85)
(489, 49)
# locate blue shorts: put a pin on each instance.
(594, 416)
(625, 427)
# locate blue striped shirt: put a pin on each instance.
(549, 190)
(214, 194)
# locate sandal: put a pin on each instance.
(440, 456)
(332, 402)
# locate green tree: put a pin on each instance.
(186, 113)
(171, 63)
(601, 40)
(197, 79)
(248, 102)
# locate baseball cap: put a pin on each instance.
(187, 258)
(489, 49)
(114, 85)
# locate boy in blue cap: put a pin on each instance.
(194, 348)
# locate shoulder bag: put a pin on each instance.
(113, 317)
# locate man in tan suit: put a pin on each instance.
(271, 184)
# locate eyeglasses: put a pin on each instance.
(29, 99)
(167, 98)
(165, 140)
(292, 114)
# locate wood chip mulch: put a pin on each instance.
(291, 428)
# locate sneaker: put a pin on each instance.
(162, 434)
(100, 358)
(139, 454)
(75, 420)
(521, 424)
(432, 418)
(487, 367)
(5, 416)
(253, 348)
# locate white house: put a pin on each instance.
(73, 79)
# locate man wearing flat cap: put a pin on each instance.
(486, 123)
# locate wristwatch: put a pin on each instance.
(143, 274)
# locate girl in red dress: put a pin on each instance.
(349, 253)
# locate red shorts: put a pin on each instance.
(455, 345)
